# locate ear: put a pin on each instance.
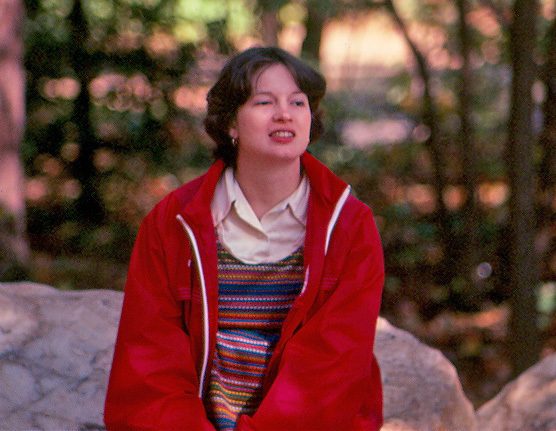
(233, 130)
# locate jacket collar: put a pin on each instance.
(228, 196)
(324, 184)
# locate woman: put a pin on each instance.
(253, 291)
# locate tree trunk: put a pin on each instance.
(270, 26)
(547, 141)
(310, 49)
(548, 135)
(470, 251)
(524, 337)
(14, 247)
(270, 23)
(88, 206)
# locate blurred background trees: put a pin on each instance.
(14, 248)
(441, 114)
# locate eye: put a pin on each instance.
(299, 103)
(261, 101)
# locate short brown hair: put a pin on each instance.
(234, 86)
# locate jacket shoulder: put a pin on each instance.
(171, 205)
(356, 208)
(357, 220)
(183, 194)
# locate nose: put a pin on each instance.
(282, 112)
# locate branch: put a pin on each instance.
(430, 119)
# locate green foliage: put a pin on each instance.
(115, 124)
(546, 304)
(110, 125)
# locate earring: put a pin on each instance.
(234, 142)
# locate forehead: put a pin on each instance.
(273, 78)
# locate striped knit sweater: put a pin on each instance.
(253, 303)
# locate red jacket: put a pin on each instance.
(323, 374)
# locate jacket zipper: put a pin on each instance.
(195, 247)
(335, 215)
(333, 219)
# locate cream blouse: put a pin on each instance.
(275, 236)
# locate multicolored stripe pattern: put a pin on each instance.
(253, 303)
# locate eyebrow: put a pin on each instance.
(270, 93)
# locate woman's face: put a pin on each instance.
(275, 122)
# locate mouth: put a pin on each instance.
(283, 134)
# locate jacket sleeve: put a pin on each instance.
(153, 382)
(328, 378)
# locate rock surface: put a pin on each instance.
(56, 347)
(526, 404)
(422, 391)
(55, 352)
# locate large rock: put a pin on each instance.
(526, 404)
(422, 391)
(55, 353)
(56, 347)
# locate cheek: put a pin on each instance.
(250, 120)
(308, 120)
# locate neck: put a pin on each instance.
(266, 185)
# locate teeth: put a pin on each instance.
(283, 134)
